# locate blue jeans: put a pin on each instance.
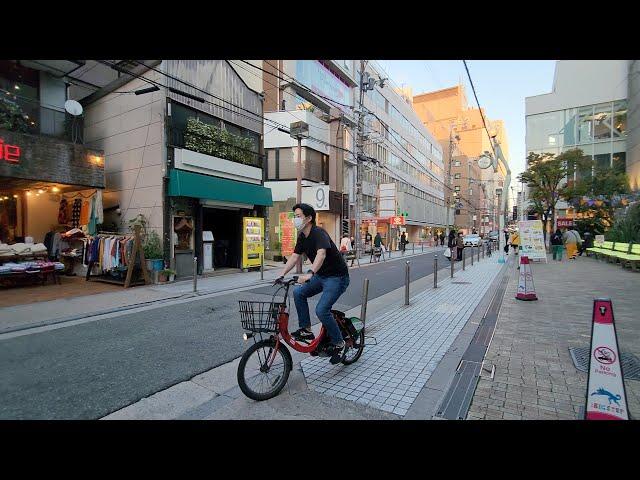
(331, 288)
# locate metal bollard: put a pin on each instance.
(435, 271)
(471, 256)
(463, 259)
(482, 248)
(407, 279)
(453, 262)
(363, 305)
(422, 245)
(478, 253)
(262, 266)
(195, 274)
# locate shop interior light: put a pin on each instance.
(28, 193)
(15, 196)
(16, 87)
(55, 189)
(40, 191)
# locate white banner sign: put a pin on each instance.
(532, 239)
(316, 196)
(599, 240)
(606, 397)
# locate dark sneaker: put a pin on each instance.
(336, 353)
(303, 335)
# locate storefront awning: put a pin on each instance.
(189, 184)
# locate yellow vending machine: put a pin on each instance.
(252, 241)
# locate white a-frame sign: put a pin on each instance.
(606, 397)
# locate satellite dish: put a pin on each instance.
(72, 107)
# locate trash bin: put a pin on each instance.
(207, 250)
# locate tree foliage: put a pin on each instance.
(544, 178)
(593, 195)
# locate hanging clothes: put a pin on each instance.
(84, 212)
(75, 213)
(63, 219)
(92, 226)
(99, 210)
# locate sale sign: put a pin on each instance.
(606, 396)
(396, 221)
(564, 222)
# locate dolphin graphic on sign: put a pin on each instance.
(611, 396)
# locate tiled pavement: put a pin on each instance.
(411, 341)
(535, 377)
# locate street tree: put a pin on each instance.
(544, 177)
(593, 194)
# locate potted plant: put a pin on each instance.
(153, 252)
(166, 275)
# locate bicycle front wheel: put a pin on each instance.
(263, 372)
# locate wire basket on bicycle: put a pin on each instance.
(259, 316)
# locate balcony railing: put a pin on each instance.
(216, 148)
(30, 116)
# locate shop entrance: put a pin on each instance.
(226, 226)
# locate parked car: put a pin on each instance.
(472, 240)
(493, 236)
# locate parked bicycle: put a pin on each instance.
(264, 368)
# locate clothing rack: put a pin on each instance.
(137, 249)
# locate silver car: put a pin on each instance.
(472, 240)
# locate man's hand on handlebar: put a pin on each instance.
(279, 280)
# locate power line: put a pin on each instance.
(479, 108)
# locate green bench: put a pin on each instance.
(628, 254)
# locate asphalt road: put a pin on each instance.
(89, 370)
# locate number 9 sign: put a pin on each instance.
(320, 198)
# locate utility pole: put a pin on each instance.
(449, 194)
(357, 147)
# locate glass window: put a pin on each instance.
(286, 163)
(603, 160)
(602, 122)
(544, 130)
(457, 188)
(456, 176)
(620, 119)
(569, 129)
(585, 125)
(271, 172)
(620, 162)
(456, 163)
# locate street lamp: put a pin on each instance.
(299, 130)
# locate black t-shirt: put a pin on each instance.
(333, 265)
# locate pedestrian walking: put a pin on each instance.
(403, 242)
(459, 246)
(377, 247)
(515, 241)
(451, 243)
(572, 241)
(557, 245)
(346, 247)
(442, 239)
(587, 242)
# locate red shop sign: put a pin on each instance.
(396, 220)
(9, 153)
(564, 222)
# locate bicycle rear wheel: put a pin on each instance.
(260, 380)
(352, 354)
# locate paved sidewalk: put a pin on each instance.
(67, 309)
(383, 384)
(535, 377)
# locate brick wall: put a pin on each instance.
(51, 160)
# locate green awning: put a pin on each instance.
(196, 185)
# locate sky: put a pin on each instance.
(501, 85)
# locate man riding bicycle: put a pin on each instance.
(328, 274)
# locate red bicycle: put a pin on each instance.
(264, 368)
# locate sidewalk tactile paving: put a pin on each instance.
(411, 342)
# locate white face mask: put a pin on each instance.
(299, 223)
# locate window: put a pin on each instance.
(543, 130)
(585, 125)
(569, 129)
(457, 176)
(602, 122)
(619, 162)
(620, 119)
(457, 188)
(602, 160)
(456, 163)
